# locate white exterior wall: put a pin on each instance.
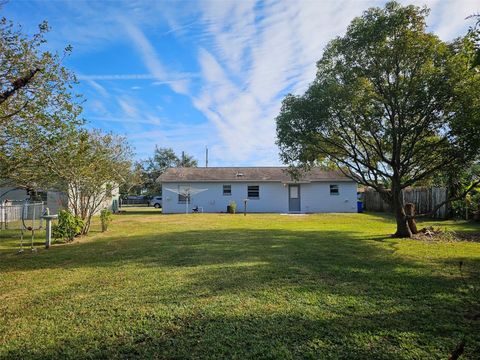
(314, 197)
(273, 197)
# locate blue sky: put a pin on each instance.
(190, 74)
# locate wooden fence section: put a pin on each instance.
(424, 198)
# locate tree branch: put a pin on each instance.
(18, 84)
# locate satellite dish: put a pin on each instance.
(187, 192)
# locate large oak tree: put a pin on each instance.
(391, 105)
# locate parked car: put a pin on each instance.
(156, 202)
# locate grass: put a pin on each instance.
(331, 286)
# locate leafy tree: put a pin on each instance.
(164, 158)
(87, 166)
(37, 105)
(391, 105)
(41, 142)
(474, 36)
(134, 180)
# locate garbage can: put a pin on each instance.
(360, 206)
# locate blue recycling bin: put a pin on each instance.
(359, 206)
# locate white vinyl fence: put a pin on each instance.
(20, 215)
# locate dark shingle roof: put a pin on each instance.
(240, 174)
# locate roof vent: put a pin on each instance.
(239, 174)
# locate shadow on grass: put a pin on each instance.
(275, 336)
(149, 211)
(303, 294)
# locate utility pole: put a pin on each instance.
(206, 156)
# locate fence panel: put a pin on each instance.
(21, 215)
(424, 198)
(134, 202)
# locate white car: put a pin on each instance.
(156, 202)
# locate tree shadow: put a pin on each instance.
(149, 211)
(200, 334)
(253, 293)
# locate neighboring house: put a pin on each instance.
(266, 189)
(55, 200)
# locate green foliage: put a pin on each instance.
(469, 207)
(68, 227)
(37, 104)
(105, 218)
(88, 164)
(466, 204)
(163, 158)
(41, 142)
(134, 180)
(233, 207)
(474, 36)
(391, 105)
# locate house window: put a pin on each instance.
(253, 192)
(227, 190)
(182, 199)
(334, 190)
(183, 190)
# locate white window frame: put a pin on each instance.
(223, 189)
(334, 187)
(253, 197)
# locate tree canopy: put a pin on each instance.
(42, 141)
(88, 165)
(164, 158)
(391, 105)
(37, 102)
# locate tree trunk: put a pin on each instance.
(403, 230)
(410, 212)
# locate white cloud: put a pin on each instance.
(151, 60)
(99, 88)
(128, 108)
(253, 53)
(258, 54)
(247, 55)
(448, 17)
(116, 77)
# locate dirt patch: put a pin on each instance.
(437, 234)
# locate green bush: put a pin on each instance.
(233, 207)
(468, 207)
(68, 226)
(105, 218)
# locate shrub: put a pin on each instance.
(467, 208)
(68, 226)
(233, 207)
(105, 218)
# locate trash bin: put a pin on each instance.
(360, 206)
(229, 209)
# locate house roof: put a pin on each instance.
(242, 174)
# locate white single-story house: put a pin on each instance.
(266, 190)
(55, 200)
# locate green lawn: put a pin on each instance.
(331, 286)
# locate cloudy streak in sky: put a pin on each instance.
(190, 74)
